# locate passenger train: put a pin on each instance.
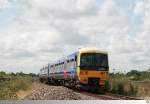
(86, 68)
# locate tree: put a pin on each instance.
(149, 70)
(2, 73)
(20, 73)
(32, 75)
(134, 73)
(13, 74)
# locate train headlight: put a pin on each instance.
(103, 73)
(81, 73)
(86, 73)
(85, 80)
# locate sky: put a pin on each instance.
(36, 32)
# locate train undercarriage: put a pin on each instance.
(92, 85)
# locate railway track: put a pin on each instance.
(107, 96)
(110, 96)
(124, 97)
(5, 78)
(102, 97)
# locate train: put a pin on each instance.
(85, 68)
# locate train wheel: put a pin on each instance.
(41, 80)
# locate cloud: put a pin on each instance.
(43, 31)
(140, 7)
(4, 4)
(109, 23)
(140, 43)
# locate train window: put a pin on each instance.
(63, 63)
(75, 58)
(55, 67)
(62, 66)
(72, 60)
(58, 68)
(94, 61)
(67, 61)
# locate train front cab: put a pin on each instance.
(92, 69)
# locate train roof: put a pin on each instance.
(79, 51)
(93, 49)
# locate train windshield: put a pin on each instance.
(94, 61)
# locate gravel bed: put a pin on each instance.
(48, 92)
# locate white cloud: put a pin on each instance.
(140, 7)
(46, 30)
(140, 51)
(4, 4)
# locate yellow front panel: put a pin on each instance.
(83, 75)
(78, 64)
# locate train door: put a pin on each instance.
(75, 67)
(65, 69)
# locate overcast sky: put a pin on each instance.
(35, 32)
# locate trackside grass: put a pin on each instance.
(9, 88)
(120, 84)
(131, 84)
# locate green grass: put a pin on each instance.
(9, 88)
(125, 85)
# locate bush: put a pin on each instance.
(133, 89)
(2, 74)
(121, 84)
(120, 88)
(107, 86)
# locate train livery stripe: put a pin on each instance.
(78, 64)
(65, 68)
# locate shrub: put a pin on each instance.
(107, 86)
(2, 74)
(120, 88)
